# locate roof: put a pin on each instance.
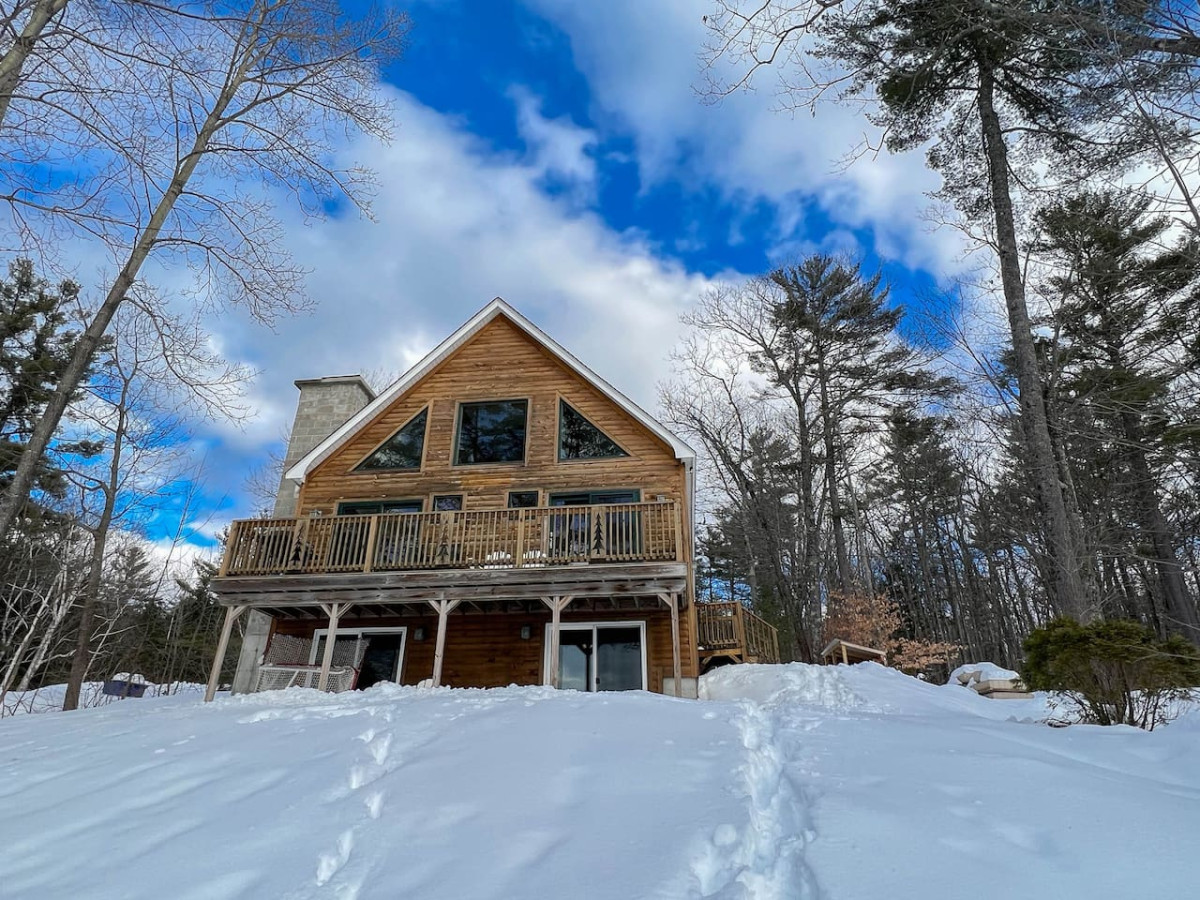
(468, 330)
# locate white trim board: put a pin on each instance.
(498, 307)
(580, 626)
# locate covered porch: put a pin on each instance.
(502, 626)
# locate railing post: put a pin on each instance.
(519, 554)
(739, 628)
(372, 537)
(230, 546)
(678, 516)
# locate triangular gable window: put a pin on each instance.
(580, 439)
(402, 450)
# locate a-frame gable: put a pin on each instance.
(410, 381)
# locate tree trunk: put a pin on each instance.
(1177, 603)
(835, 503)
(1070, 597)
(91, 591)
(13, 62)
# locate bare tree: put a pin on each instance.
(258, 96)
(157, 372)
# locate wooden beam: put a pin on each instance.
(557, 605)
(334, 611)
(672, 601)
(443, 608)
(214, 674)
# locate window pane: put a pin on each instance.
(402, 450)
(447, 502)
(522, 499)
(580, 439)
(375, 507)
(575, 659)
(491, 432)
(379, 659)
(618, 659)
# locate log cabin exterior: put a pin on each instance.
(500, 515)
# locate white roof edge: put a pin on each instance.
(469, 329)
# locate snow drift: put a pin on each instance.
(789, 782)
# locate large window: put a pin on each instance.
(377, 507)
(491, 432)
(402, 450)
(580, 439)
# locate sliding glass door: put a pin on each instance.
(601, 657)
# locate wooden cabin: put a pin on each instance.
(500, 515)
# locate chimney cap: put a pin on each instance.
(302, 383)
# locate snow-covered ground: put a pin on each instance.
(787, 782)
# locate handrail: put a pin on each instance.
(487, 538)
(729, 626)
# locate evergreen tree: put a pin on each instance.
(1111, 280)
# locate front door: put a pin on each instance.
(601, 657)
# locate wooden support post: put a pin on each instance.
(443, 608)
(230, 548)
(372, 538)
(334, 611)
(214, 674)
(739, 630)
(672, 601)
(845, 659)
(557, 605)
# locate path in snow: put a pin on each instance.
(912, 791)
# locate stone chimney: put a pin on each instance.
(325, 404)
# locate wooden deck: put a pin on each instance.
(729, 631)
(487, 539)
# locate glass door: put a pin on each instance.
(597, 657)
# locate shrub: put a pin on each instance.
(1114, 671)
(873, 620)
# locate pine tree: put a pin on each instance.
(1112, 280)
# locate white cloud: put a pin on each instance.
(641, 61)
(558, 147)
(456, 225)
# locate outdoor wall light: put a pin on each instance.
(419, 633)
(526, 632)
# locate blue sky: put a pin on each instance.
(556, 153)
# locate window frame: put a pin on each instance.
(357, 468)
(434, 498)
(559, 459)
(418, 501)
(593, 626)
(402, 630)
(458, 413)
(537, 499)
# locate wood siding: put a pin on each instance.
(499, 363)
(486, 650)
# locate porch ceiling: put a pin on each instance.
(482, 588)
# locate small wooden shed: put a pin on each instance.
(846, 653)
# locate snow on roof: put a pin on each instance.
(468, 330)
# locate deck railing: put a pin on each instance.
(730, 626)
(488, 538)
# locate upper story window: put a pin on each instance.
(491, 432)
(580, 439)
(402, 450)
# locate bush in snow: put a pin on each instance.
(1114, 671)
